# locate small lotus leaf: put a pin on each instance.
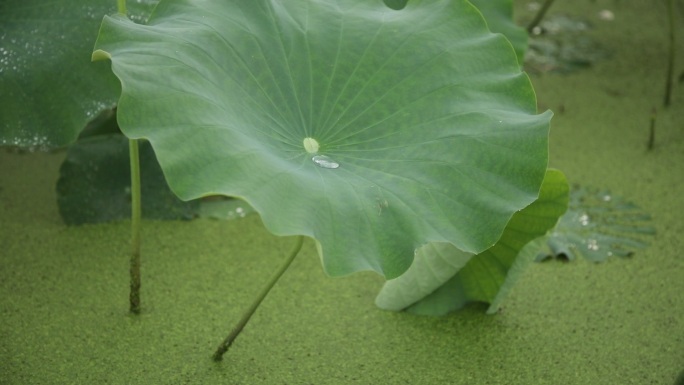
(95, 184)
(598, 225)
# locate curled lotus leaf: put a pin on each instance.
(443, 278)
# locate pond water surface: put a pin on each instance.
(63, 290)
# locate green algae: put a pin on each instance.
(63, 290)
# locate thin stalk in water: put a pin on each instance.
(539, 16)
(134, 296)
(133, 150)
(652, 128)
(218, 355)
(670, 63)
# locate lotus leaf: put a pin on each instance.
(598, 225)
(95, 184)
(49, 88)
(372, 130)
(443, 278)
(499, 16)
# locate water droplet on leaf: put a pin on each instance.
(325, 161)
(598, 225)
(592, 244)
(584, 220)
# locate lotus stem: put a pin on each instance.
(670, 63)
(651, 136)
(539, 16)
(218, 355)
(134, 296)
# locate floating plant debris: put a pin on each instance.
(598, 225)
(560, 43)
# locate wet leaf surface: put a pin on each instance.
(598, 225)
(49, 87)
(561, 43)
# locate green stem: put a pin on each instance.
(670, 63)
(218, 355)
(121, 6)
(134, 296)
(651, 135)
(539, 16)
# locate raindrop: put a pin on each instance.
(606, 15)
(325, 161)
(240, 212)
(584, 219)
(592, 244)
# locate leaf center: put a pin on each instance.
(311, 145)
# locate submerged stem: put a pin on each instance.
(539, 16)
(218, 355)
(651, 135)
(671, 55)
(134, 296)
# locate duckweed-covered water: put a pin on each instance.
(63, 290)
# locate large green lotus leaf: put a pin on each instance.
(372, 130)
(443, 278)
(499, 16)
(49, 88)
